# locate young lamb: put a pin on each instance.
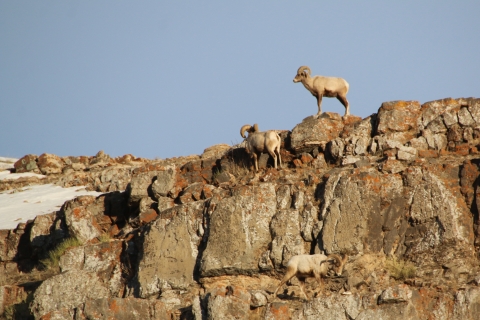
(259, 142)
(324, 87)
(312, 266)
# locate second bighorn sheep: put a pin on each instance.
(312, 266)
(259, 142)
(323, 87)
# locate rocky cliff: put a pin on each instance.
(204, 237)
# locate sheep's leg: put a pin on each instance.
(302, 287)
(284, 280)
(274, 156)
(320, 282)
(279, 157)
(255, 160)
(345, 103)
(319, 103)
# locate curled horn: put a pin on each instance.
(335, 258)
(304, 69)
(243, 129)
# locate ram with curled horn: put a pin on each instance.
(259, 142)
(320, 87)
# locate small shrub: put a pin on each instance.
(54, 255)
(105, 237)
(400, 269)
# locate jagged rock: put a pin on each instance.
(126, 309)
(27, 164)
(140, 185)
(258, 299)
(169, 250)
(165, 203)
(164, 183)
(145, 204)
(287, 241)
(397, 120)
(216, 151)
(56, 292)
(433, 109)
(467, 304)
(284, 198)
(100, 159)
(81, 219)
(465, 118)
(400, 293)
(43, 229)
(319, 162)
(407, 153)
(473, 107)
(309, 225)
(102, 259)
(239, 231)
(419, 143)
(315, 130)
(352, 213)
(229, 303)
(335, 148)
(278, 311)
(50, 163)
(10, 295)
(450, 118)
(192, 193)
(437, 126)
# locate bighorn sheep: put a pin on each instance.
(323, 87)
(260, 142)
(312, 266)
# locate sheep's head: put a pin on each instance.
(248, 128)
(302, 73)
(337, 263)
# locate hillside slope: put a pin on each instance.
(205, 237)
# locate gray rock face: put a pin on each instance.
(170, 249)
(205, 238)
(353, 214)
(239, 231)
(313, 131)
(164, 183)
(398, 120)
(68, 290)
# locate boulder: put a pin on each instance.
(169, 250)
(27, 163)
(230, 302)
(397, 120)
(239, 231)
(67, 290)
(50, 163)
(164, 182)
(313, 131)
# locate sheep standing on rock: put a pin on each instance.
(312, 266)
(324, 87)
(259, 142)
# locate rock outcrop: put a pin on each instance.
(205, 237)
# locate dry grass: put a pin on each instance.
(105, 237)
(400, 269)
(54, 255)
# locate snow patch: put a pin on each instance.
(21, 205)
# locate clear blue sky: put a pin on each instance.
(171, 78)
